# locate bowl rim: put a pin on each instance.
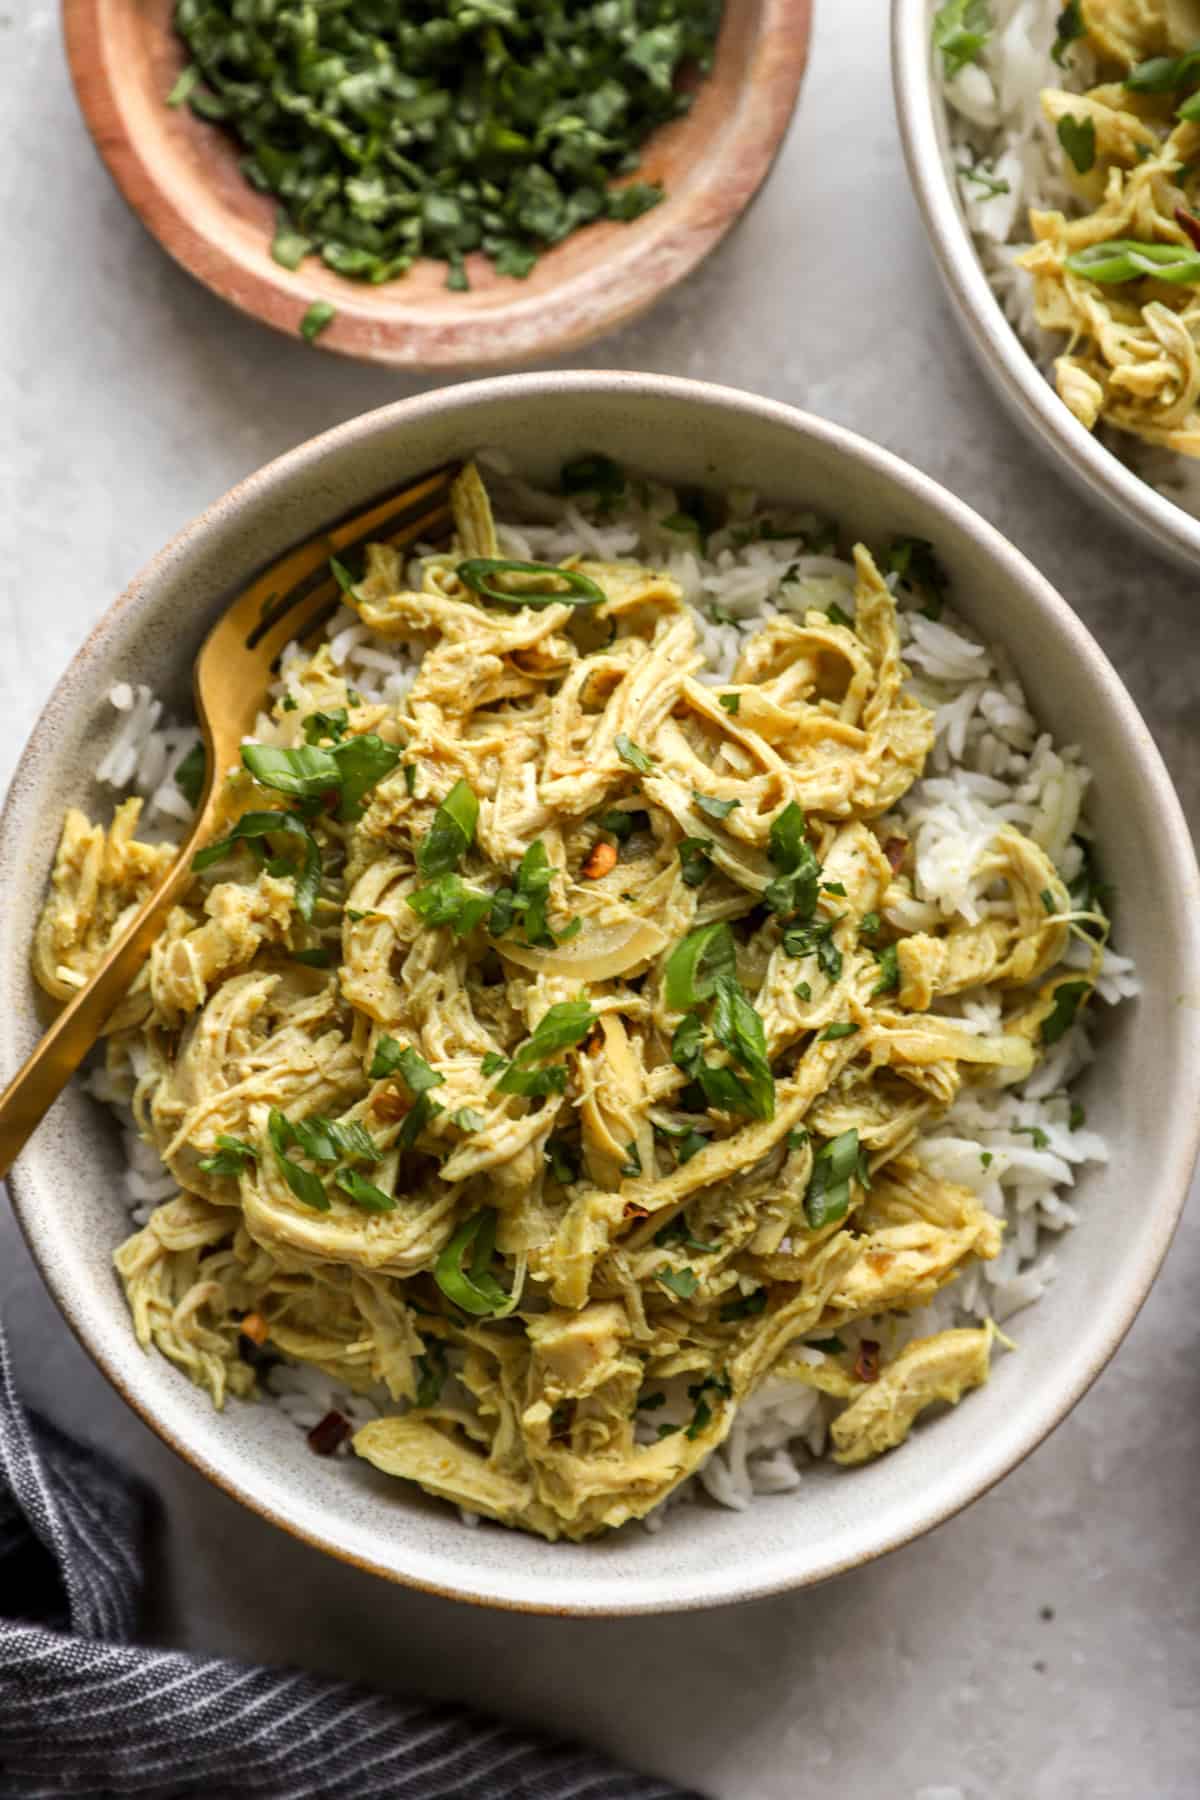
(523, 326)
(1006, 361)
(1178, 1152)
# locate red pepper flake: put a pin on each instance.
(331, 1432)
(1190, 223)
(894, 849)
(255, 1327)
(866, 1363)
(634, 1211)
(391, 1105)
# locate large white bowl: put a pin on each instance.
(924, 132)
(1141, 1090)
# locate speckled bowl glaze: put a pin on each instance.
(1007, 364)
(1141, 1089)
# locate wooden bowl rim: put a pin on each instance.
(596, 298)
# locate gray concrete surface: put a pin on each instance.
(1044, 1646)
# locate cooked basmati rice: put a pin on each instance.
(1016, 1148)
(995, 119)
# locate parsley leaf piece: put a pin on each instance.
(1161, 74)
(746, 1308)
(304, 774)
(562, 1025)
(793, 892)
(621, 825)
(317, 958)
(319, 315)
(1077, 1116)
(816, 940)
(889, 970)
(289, 247)
(185, 81)
(594, 474)
(253, 826)
(190, 773)
(1068, 997)
(715, 809)
(451, 834)
(731, 703)
(432, 1370)
(467, 1119)
(677, 1231)
(629, 753)
(695, 860)
(447, 900)
(362, 763)
(841, 1028)
(680, 1282)
(320, 725)
(912, 559)
(1078, 139)
(1069, 27)
(561, 1161)
(533, 1084)
(961, 29)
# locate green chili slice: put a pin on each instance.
(479, 574)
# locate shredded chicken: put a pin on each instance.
(584, 1083)
(1132, 358)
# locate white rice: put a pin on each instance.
(991, 765)
(997, 126)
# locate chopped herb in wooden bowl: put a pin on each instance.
(389, 131)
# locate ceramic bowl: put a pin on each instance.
(1007, 364)
(182, 178)
(1140, 1090)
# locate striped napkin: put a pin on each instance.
(85, 1711)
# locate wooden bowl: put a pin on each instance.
(181, 177)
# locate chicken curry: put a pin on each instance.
(537, 1050)
(1121, 278)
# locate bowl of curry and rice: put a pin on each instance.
(1053, 150)
(725, 965)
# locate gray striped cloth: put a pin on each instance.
(84, 1711)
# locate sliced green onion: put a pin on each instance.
(834, 1167)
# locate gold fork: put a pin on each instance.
(233, 670)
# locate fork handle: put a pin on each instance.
(58, 1053)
